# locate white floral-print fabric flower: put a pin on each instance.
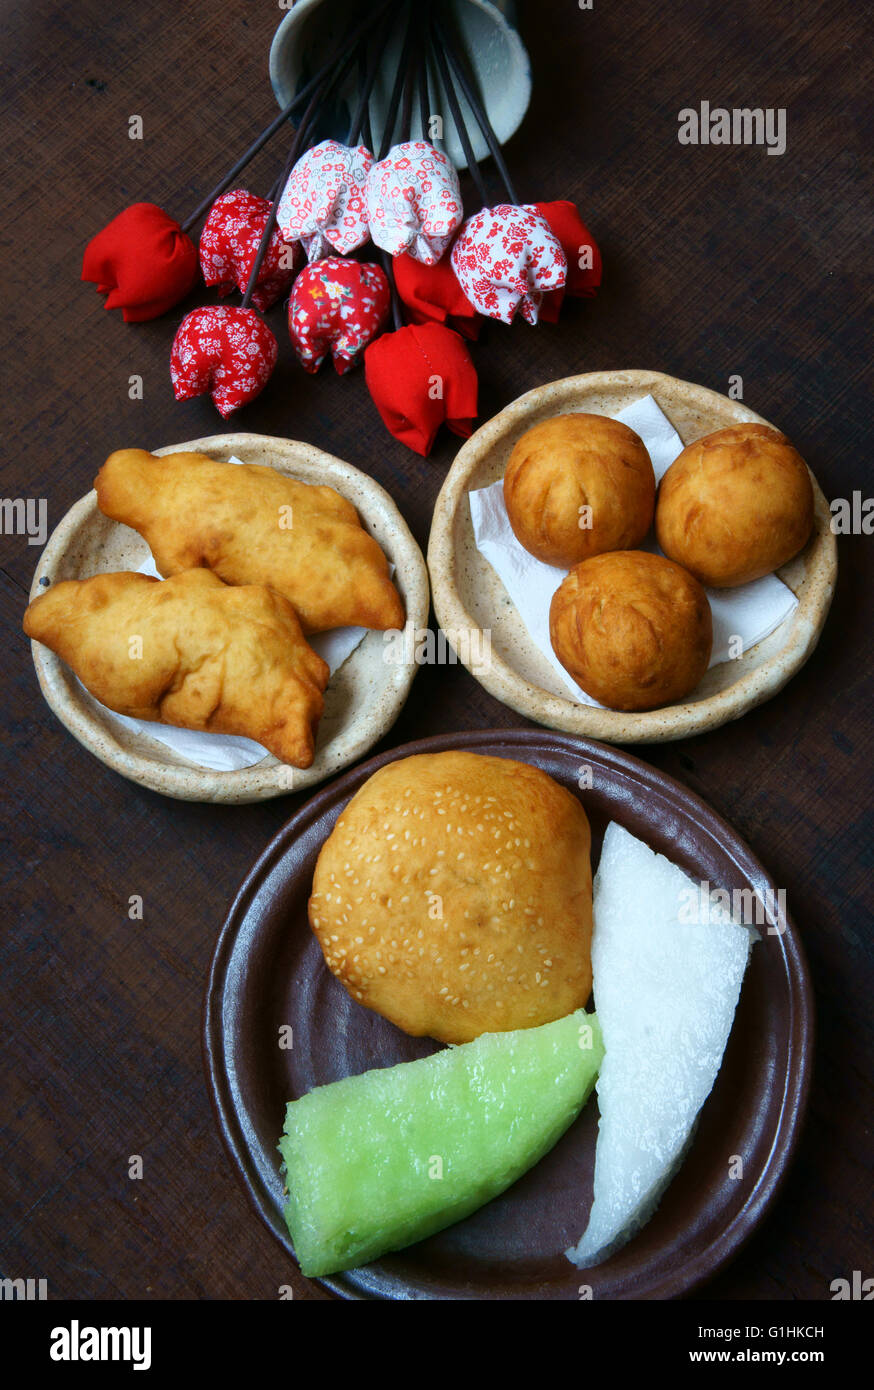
(505, 259)
(414, 202)
(324, 202)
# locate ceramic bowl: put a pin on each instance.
(469, 597)
(364, 696)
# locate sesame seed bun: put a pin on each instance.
(454, 896)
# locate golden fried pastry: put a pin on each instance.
(189, 651)
(454, 896)
(735, 505)
(577, 485)
(254, 525)
(633, 629)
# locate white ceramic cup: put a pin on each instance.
(308, 32)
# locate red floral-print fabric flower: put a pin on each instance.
(432, 294)
(225, 350)
(324, 202)
(336, 305)
(142, 261)
(414, 202)
(229, 244)
(419, 377)
(506, 258)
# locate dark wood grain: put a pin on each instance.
(719, 261)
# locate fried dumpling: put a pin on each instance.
(189, 651)
(253, 525)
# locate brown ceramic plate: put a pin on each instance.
(268, 971)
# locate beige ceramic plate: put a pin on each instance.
(363, 699)
(470, 598)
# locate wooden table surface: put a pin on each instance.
(719, 261)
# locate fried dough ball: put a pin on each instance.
(735, 505)
(633, 629)
(577, 485)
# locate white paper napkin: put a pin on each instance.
(745, 615)
(227, 752)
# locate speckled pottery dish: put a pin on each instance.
(364, 696)
(470, 598)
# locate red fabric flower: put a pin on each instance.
(419, 377)
(229, 244)
(506, 258)
(581, 251)
(578, 244)
(228, 351)
(142, 261)
(336, 305)
(433, 295)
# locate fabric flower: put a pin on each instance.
(324, 202)
(581, 252)
(414, 202)
(336, 305)
(225, 350)
(419, 377)
(432, 294)
(506, 258)
(142, 261)
(230, 241)
(578, 244)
